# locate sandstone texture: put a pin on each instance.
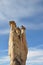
(17, 46)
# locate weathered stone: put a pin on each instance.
(17, 45)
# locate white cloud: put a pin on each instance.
(39, 46)
(4, 59)
(13, 9)
(35, 56)
(28, 26)
(2, 17)
(31, 26)
(4, 31)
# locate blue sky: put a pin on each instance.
(30, 14)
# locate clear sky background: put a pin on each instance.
(30, 14)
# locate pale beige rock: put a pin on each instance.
(24, 49)
(17, 49)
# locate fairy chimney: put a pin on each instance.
(12, 28)
(17, 48)
(24, 38)
(24, 48)
(11, 41)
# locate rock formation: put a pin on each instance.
(17, 48)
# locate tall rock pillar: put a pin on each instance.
(17, 48)
(24, 49)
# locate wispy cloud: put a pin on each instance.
(4, 59)
(32, 26)
(35, 56)
(4, 31)
(20, 8)
(14, 10)
(29, 26)
(2, 17)
(35, 26)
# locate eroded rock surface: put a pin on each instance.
(17, 48)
